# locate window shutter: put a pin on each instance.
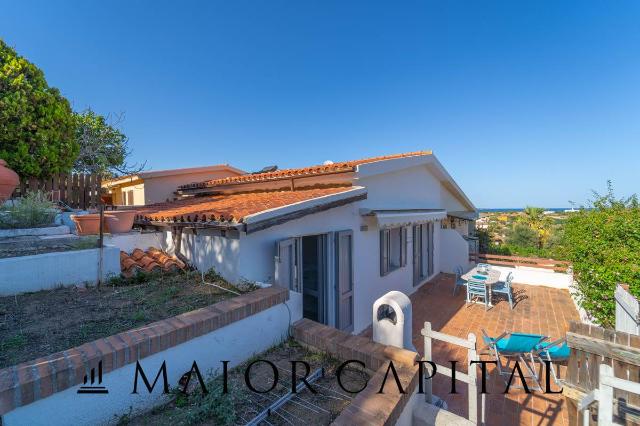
(416, 254)
(430, 230)
(384, 252)
(403, 246)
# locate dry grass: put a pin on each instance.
(44, 322)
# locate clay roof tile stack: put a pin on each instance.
(152, 260)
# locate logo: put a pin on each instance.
(93, 389)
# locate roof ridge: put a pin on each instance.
(338, 167)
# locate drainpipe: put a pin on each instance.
(176, 231)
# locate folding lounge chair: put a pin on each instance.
(516, 347)
(557, 352)
(459, 281)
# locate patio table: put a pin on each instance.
(493, 277)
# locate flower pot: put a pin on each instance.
(119, 221)
(8, 181)
(87, 224)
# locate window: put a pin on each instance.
(393, 249)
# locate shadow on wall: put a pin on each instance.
(454, 251)
(208, 249)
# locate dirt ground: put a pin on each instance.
(44, 322)
(241, 405)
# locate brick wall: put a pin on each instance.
(368, 407)
(30, 381)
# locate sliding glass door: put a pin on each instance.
(422, 252)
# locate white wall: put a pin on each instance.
(536, 276)
(454, 251)
(135, 239)
(49, 270)
(236, 343)
(161, 188)
(208, 249)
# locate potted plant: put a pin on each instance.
(8, 181)
(119, 221)
(87, 224)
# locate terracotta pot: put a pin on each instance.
(119, 221)
(8, 181)
(87, 224)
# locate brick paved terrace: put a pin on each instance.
(541, 310)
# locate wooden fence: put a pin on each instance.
(77, 190)
(470, 379)
(627, 310)
(591, 346)
(506, 260)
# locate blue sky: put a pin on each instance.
(524, 103)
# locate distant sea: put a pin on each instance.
(506, 210)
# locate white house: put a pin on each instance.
(339, 234)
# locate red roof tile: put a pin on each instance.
(230, 207)
(344, 166)
(152, 260)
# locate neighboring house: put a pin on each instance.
(160, 185)
(340, 234)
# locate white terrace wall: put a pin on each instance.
(536, 276)
(454, 251)
(49, 270)
(235, 342)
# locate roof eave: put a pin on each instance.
(266, 219)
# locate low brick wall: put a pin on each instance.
(35, 380)
(368, 407)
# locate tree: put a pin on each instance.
(103, 147)
(521, 235)
(535, 219)
(36, 122)
(603, 243)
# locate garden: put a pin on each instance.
(40, 323)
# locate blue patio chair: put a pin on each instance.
(478, 289)
(515, 347)
(557, 352)
(459, 281)
(504, 288)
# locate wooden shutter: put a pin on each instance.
(430, 231)
(403, 246)
(286, 264)
(417, 235)
(344, 280)
(384, 252)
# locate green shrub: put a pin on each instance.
(522, 235)
(604, 245)
(33, 210)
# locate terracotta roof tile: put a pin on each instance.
(152, 260)
(229, 207)
(344, 166)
